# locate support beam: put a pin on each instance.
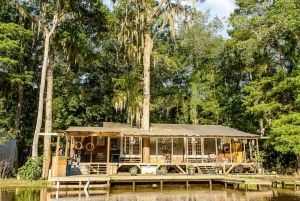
(133, 186)
(57, 144)
(146, 149)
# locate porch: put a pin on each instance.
(115, 148)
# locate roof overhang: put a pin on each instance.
(160, 130)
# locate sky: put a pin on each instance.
(220, 8)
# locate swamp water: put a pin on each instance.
(148, 194)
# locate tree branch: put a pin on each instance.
(161, 28)
(157, 8)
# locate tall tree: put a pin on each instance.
(139, 20)
(40, 17)
(268, 42)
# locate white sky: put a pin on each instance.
(220, 8)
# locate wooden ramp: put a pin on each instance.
(79, 182)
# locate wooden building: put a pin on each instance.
(115, 148)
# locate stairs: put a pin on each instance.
(206, 169)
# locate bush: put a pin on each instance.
(191, 166)
(32, 169)
(6, 167)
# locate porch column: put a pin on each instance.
(244, 153)
(67, 146)
(108, 148)
(171, 157)
(91, 156)
(72, 154)
(107, 155)
(187, 149)
(216, 146)
(202, 148)
(156, 148)
(57, 144)
(230, 149)
(257, 146)
(146, 149)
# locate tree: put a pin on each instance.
(268, 42)
(203, 48)
(41, 21)
(139, 19)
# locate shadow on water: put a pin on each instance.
(203, 194)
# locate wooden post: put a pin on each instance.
(91, 157)
(107, 155)
(246, 187)
(244, 153)
(230, 151)
(210, 184)
(161, 185)
(257, 147)
(67, 146)
(156, 151)
(133, 186)
(171, 157)
(250, 149)
(57, 144)
(202, 149)
(216, 146)
(72, 153)
(187, 185)
(258, 187)
(146, 149)
(187, 149)
(225, 185)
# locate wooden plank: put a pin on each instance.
(48, 134)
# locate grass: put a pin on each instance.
(13, 182)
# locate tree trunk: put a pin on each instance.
(298, 165)
(146, 87)
(48, 117)
(19, 108)
(17, 124)
(41, 97)
(146, 97)
(146, 149)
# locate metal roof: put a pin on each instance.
(165, 130)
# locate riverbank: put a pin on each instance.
(12, 182)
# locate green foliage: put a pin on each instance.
(32, 169)
(285, 133)
(191, 166)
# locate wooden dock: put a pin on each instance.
(285, 181)
(104, 182)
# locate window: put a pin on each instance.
(194, 146)
(100, 141)
(131, 146)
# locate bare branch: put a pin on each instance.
(157, 9)
(161, 28)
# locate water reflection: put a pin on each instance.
(28, 194)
